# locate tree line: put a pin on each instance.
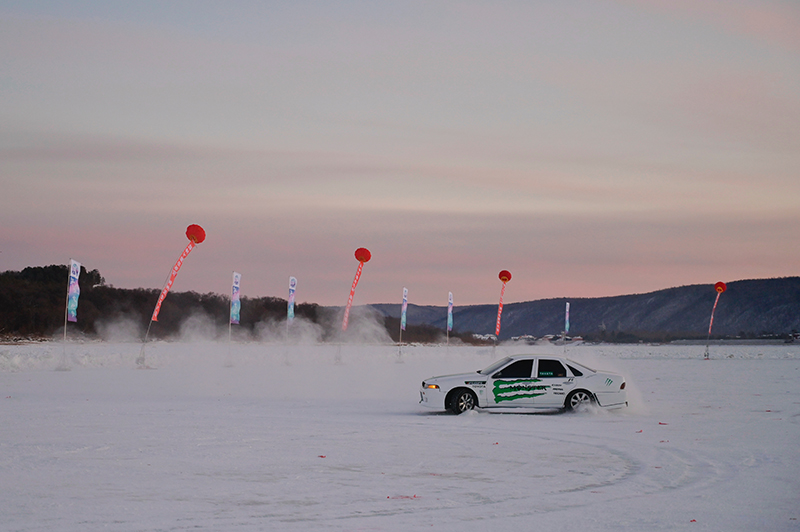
(32, 305)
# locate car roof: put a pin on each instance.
(563, 360)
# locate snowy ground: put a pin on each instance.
(271, 437)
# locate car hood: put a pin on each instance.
(457, 377)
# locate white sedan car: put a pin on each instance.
(526, 381)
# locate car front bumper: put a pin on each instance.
(432, 398)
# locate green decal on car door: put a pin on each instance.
(518, 389)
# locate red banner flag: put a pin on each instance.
(504, 276)
(500, 310)
(719, 287)
(362, 255)
(172, 275)
(196, 235)
(352, 294)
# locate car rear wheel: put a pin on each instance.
(463, 400)
(578, 398)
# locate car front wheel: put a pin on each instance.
(578, 398)
(463, 400)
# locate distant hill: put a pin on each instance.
(749, 308)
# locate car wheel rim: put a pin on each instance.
(578, 399)
(465, 402)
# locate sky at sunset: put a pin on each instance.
(592, 148)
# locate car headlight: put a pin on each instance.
(430, 386)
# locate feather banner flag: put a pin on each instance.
(566, 320)
(196, 235)
(171, 279)
(504, 276)
(403, 310)
(236, 304)
(290, 304)
(449, 311)
(719, 287)
(362, 255)
(73, 290)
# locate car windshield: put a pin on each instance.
(494, 367)
(584, 366)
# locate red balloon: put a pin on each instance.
(363, 255)
(720, 287)
(505, 276)
(195, 233)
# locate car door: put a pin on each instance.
(556, 382)
(512, 385)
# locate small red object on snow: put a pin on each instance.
(660, 423)
(322, 456)
(638, 432)
(693, 521)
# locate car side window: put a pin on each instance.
(521, 369)
(550, 369)
(574, 371)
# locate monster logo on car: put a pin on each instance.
(518, 389)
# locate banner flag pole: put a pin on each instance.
(449, 315)
(403, 310)
(290, 305)
(71, 307)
